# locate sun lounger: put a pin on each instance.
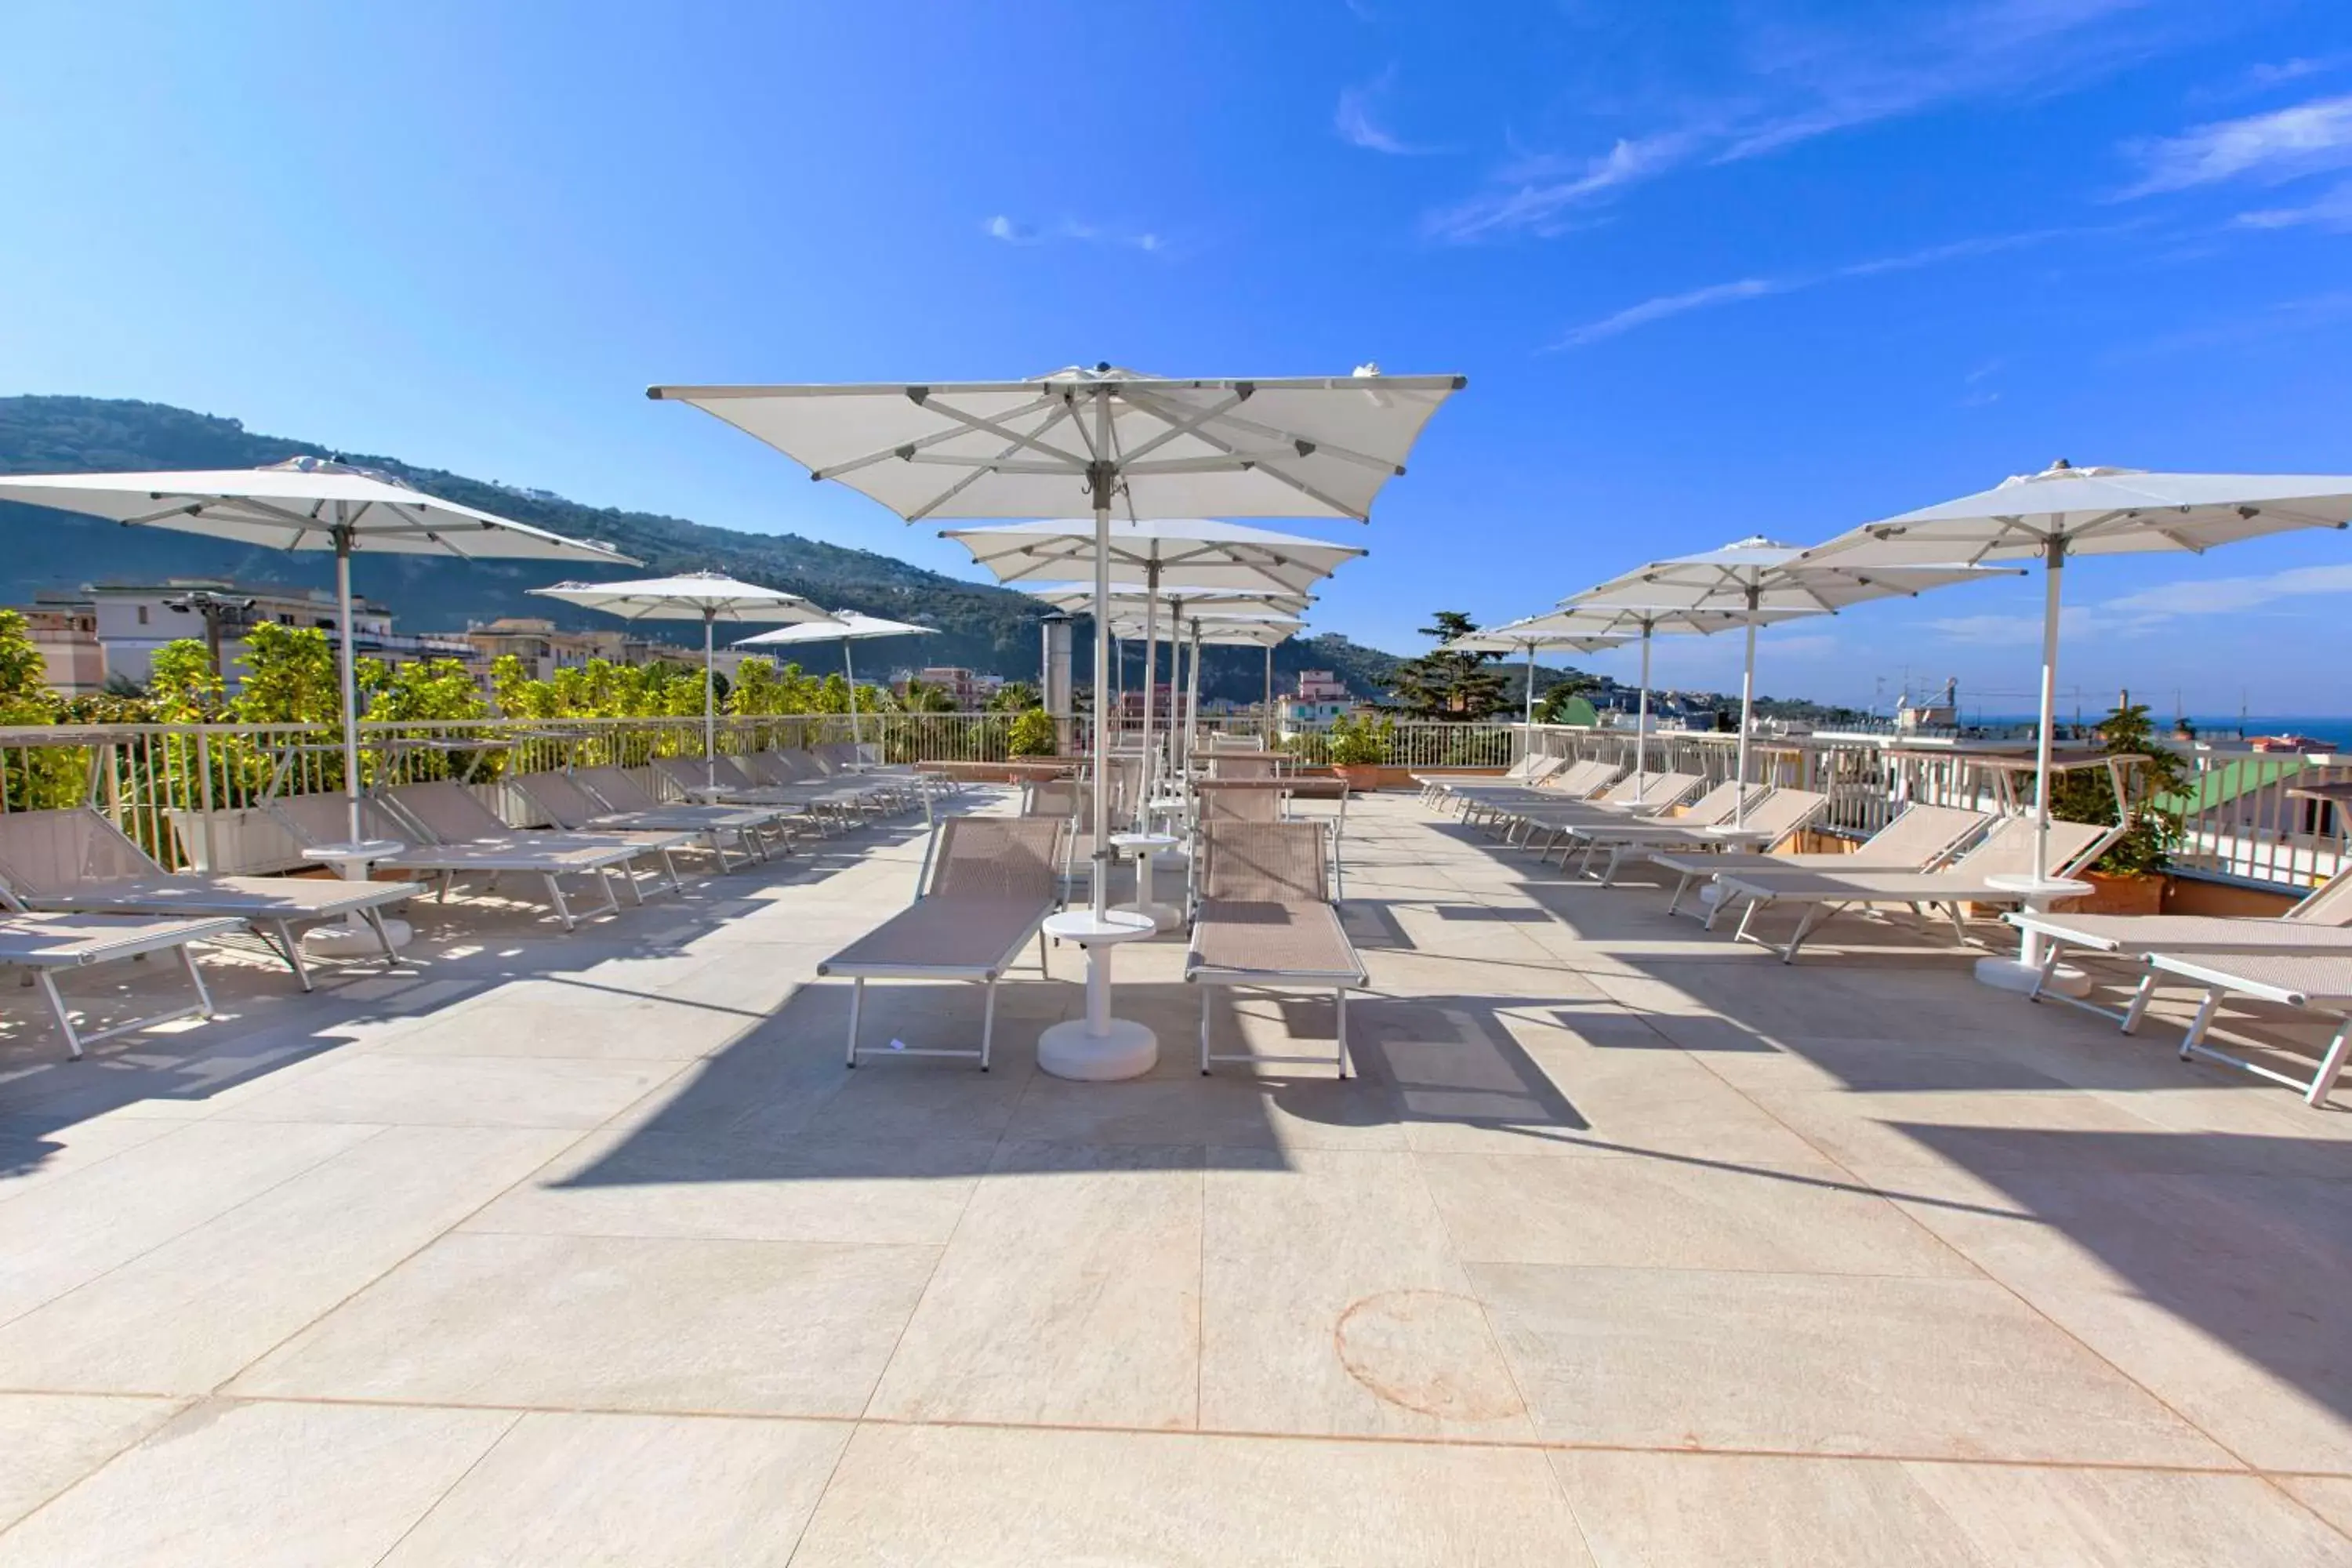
(319, 819)
(569, 804)
(1527, 769)
(1628, 797)
(2322, 923)
(1578, 781)
(1707, 823)
(1266, 919)
(1919, 838)
(808, 770)
(44, 943)
(73, 860)
(722, 782)
(1975, 877)
(987, 885)
(2316, 983)
(621, 790)
(843, 759)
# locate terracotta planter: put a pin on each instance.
(1362, 777)
(2131, 893)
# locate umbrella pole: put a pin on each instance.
(1104, 475)
(1266, 708)
(349, 677)
(2054, 571)
(1747, 714)
(1150, 771)
(1193, 706)
(709, 705)
(1527, 724)
(849, 673)
(1642, 722)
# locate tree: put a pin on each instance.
(183, 686)
(922, 699)
(1459, 688)
(289, 677)
(2088, 794)
(1553, 707)
(1014, 697)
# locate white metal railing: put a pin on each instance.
(173, 788)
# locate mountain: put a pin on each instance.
(986, 627)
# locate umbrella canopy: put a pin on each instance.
(2064, 511)
(1511, 638)
(1078, 441)
(1624, 623)
(848, 626)
(308, 503)
(1128, 605)
(1204, 553)
(1757, 576)
(706, 597)
(1087, 443)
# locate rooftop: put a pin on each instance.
(1629, 1245)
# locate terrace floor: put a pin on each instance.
(1628, 1246)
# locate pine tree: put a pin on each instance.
(1454, 687)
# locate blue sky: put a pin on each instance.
(1713, 268)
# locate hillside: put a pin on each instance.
(986, 627)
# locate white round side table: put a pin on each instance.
(1147, 847)
(1098, 1048)
(2023, 973)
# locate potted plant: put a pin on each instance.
(2130, 878)
(1359, 745)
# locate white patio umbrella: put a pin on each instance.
(1753, 577)
(1624, 623)
(308, 503)
(1084, 444)
(1512, 637)
(1135, 615)
(1219, 628)
(706, 597)
(850, 626)
(1202, 552)
(2065, 511)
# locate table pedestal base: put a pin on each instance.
(1128, 1050)
(2016, 974)
(354, 940)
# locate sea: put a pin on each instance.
(2336, 730)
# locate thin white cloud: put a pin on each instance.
(2280, 145)
(1669, 305)
(2332, 212)
(1542, 201)
(1355, 122)
(1801, 82)
(2234, 596)
(1008, 230)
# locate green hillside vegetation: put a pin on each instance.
(986, 627)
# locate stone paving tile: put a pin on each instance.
(48, 1441)
(1013, 1499)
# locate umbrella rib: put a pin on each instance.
(973, 422)
(1177, 428)
(834, 470)
(980, 472)
(1252, 427)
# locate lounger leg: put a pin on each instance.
(2042, 972)
(197, 979)
(1814, 917)
(669, 864)
(1674, 904)
(2331, 1066)
(375, 919)
(555, 897)
(1347, 1063)
(856, 1000)
(58, 1006)
(629, 879)
(988, 1024)
(2197, 1024)
(1747, 916)
(1041, 954)
(2142, 995)
(293, 951)
(1205, 1030)
(1609, 872)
